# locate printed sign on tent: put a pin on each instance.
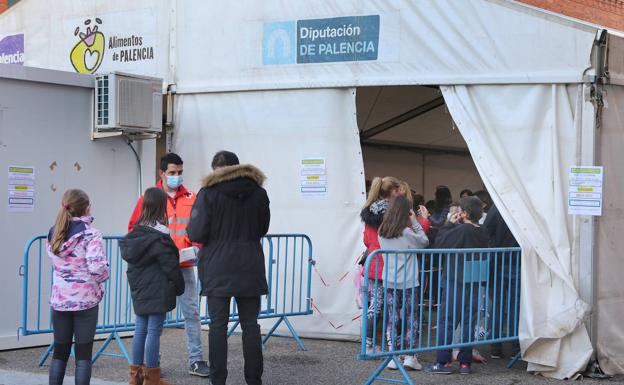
(585, 191)
(121, 41)
(313, 178)
(21, 189)
(12, 49)
(338, 39)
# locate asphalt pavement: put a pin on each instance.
(324, 363)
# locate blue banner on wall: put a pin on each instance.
(339, 39)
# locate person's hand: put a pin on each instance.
(423, 212)
(455, 218)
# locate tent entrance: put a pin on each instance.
(407, 132)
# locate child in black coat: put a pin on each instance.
(155, 280)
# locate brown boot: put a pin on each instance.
(136, 375)
(152, 377)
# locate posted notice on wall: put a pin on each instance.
(21, 189)
(313, 178)
(585, 190)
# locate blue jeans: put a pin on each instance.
(189, 305)
(458, 303)
(146, 340)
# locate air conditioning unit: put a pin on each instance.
(127, 104)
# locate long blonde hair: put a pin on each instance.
(381, 188)
(406, 191)
(73, 204)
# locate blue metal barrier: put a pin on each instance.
(289, 275)
(477, 303)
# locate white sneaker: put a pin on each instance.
(411, 362)
(370, 350)
(392, 365)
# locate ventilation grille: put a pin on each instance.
(135, 103)
(103, 97)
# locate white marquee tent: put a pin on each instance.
(500, 95)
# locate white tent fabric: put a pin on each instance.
(420, 42)
(276, 130)
(524, 139)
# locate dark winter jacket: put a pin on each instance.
(230, 217)
(500, 235)
(460, 236)
(153, 271)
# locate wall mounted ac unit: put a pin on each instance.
(127, 104)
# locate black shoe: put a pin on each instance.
(57, 372)
(199, 368)
(83, 372)
(465, 369)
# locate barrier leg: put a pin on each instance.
(294, 334)
(270, 333)
(122, 347)
(384, 364)
(402, 370)
(102, 348)
(45, 355)
(514, 360)
(232, 328)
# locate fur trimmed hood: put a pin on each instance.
(230, 173)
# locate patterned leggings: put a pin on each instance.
(402, 317)
(376, 295)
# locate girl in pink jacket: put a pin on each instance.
(80, 269)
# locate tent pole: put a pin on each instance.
(590, 131)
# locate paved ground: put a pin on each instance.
(325, 363)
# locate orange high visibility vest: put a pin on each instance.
(178, 217)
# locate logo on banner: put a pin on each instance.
(124, 46)
(87, 55)
(280, 43)
(12, 49)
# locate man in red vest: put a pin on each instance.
(179, 208)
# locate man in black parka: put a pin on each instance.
(230, 216)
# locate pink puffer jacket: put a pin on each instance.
(80, 268)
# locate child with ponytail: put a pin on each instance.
(80, 269)
(379, 195)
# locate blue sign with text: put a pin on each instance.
(339, 39)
